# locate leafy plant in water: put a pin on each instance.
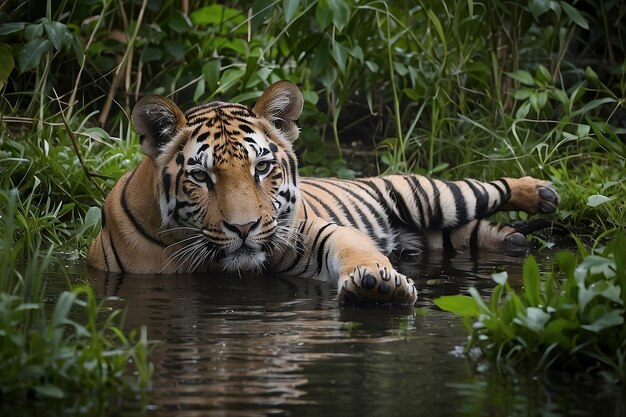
(573, 320)
(73, 351)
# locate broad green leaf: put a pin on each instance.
(30, 54)
(11, 27)
(523, 77)
(500, 277)
(211, 72)
(199, 91)
(340, 13)
(610, 319)
(523, 93)
(50, 391)
(56, 31)
(340, 54)
(179, 22)
(575, 15)
(462, 305)
(174, 48)
(93, 216)
(62, 308)
(597, 199)
(539, 7)
(534, 319)
(290, 7)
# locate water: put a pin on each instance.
(257, 346)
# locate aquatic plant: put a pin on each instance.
(73, 350)
(571, 319)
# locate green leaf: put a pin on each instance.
(7, 64)
(179, 22)
(62, 308)
(11, 27)
(522, 76)
(93, 216)
(610, 319)
(532, 281)
(209, 15)
(30, 54)
(50, 391)
(458, 304)
(174, 48)
(340, 13)
(290, 7)
(500, 277)
(534, 319)
(597, 199)
(539, 7)
(340, 54)
(575, 15)
(199, 91)
(438, 28)
(56, 31)
(211, 72)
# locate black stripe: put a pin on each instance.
(375, 213)
(417, 188)
(117, 258)
(480, 210)
(459, 202)
(436, 220)
(104, 252)
(293, 166)
(394, 219)
(320, 253)
(338, 202)
(329, 211)
(399, 202)
(447, 242)
(138, 226)
(314, 245)
(473, 243)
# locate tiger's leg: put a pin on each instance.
(347, 257)
(432, 205)
(476, 234)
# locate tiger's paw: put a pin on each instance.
(532, 196)
(376, 284)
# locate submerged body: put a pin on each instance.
(219, 188)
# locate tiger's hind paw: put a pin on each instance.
(532, 196)
(376, 284)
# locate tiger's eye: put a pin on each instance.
(200, 176)
(263, 167)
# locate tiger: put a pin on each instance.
(218, 188)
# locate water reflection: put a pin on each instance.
(248, 346)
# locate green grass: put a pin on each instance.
(75, 350)
(570, 319)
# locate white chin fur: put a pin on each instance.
(244, 261)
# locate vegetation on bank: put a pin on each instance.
(570, 319)
(448, 88)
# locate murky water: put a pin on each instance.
(256, 346)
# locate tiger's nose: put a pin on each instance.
(242, 230)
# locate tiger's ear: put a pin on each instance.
(281, 104)
(157, 119)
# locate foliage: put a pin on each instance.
(574, 319)
(455, 88)
(73, 350)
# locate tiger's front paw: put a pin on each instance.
(376, 284)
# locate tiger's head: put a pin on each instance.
(226, 176)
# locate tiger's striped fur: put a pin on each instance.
(219, 188)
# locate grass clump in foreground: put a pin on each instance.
(574, 320)
(73, 352)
